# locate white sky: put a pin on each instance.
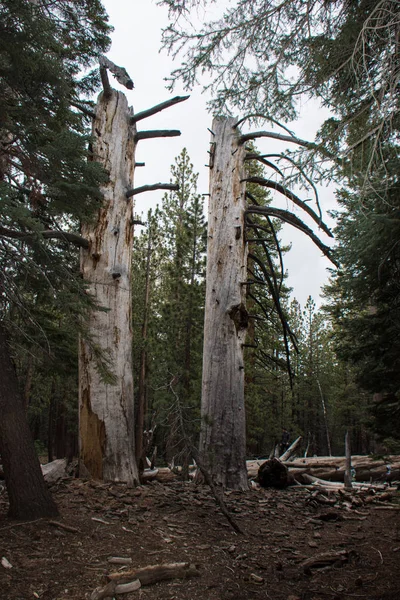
(135, 46)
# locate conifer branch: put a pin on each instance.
(265, 162)
(83, 109)
(302, 173)
(72, 238)
(290, 218)
(286, 192)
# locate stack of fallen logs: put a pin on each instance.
(332, 468)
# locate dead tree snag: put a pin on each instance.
(222, 441)
(107, 446)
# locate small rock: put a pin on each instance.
(5, 563)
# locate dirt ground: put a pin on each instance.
(180, 522)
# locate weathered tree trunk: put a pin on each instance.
(107, 446)
(222, 441)
(27, 492)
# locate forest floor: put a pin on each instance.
(180, 522)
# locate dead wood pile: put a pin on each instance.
(332, 468)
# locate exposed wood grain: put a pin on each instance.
(222, 442)
(106, 407)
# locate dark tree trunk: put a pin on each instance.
(27, 491)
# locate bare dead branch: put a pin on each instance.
(119, 73)
(149, 188)
(266, 118)
(156, 133)
(293, 140)
(158, 108)
(107, 89)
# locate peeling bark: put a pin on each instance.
(222, 441)
(107, 446)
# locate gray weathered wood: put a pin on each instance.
(222, 441)
(347, 473)
(106, 420)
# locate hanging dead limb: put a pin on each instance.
(267, 163)
(119, 73)
(156, 133)
(64, 236)
(285, 325)
(152, 187)
(263, 157)
(268, 183)
(275, 237)
(158, 108)
(290, 218)
(274, 289)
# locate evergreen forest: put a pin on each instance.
(316, 371)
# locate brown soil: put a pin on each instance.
(179, 522)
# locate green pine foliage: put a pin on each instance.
(47, 184)
(176, 314)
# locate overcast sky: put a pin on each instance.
(136, 46)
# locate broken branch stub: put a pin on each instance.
(158, 108)
(156, 133)
(149, 188)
